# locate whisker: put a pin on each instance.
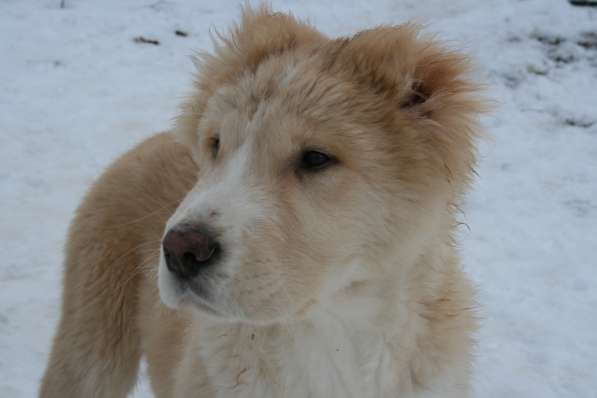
(143, 217)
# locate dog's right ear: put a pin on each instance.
(260, 35)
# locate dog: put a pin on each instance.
(292, 236)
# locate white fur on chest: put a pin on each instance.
(330, 360)
(317, 358)
(356, 351)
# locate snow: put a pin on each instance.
(76, 91)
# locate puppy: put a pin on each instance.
(292, 237)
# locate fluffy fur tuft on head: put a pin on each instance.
(260, 34)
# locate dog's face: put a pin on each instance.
(317, 159)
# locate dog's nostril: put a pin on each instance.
(189, 258)
(189, 249)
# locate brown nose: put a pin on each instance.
(188, 249)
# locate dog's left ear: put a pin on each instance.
(427, 86)
(397, 62)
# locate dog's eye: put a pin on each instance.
(314, 161)
(214, 146)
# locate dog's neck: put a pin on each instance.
(370, 340)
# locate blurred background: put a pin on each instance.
(82, 81)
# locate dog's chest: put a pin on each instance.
(329, 361)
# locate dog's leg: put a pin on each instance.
(96, 350)
(112, 244)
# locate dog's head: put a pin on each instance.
(318, 160)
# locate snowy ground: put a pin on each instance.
(76, 91)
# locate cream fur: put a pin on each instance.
(341, 283)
